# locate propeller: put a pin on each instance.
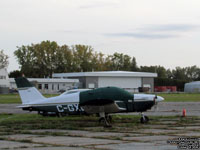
(155, 103)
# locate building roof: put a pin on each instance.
(105, 74)
(194, 82)
(49, 80)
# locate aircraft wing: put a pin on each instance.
(23, 106)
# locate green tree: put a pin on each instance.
(38, 60)
(3, 60)
(126, 66)
(119, 61)
(26, 60)
(134, 66)
(15, 74)
(98, 62)
(179, 74)
(109, 63)
(193, 73)
(161, 71)
(64, 59)
(44, 58)
(169, 74)
(148, 69)
(82, 58)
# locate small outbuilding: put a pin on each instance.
(192, 87)
(49, 85)
(131, 81)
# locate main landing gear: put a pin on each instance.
(105, 119)
(144, 119)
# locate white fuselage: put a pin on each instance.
(147, 97)
(72, 96)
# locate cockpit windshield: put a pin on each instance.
(74, 91)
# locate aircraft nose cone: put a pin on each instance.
(159, 98)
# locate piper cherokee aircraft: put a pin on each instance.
(101, 101)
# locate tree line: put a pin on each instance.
(47, 57)
(175, 77)
(3, 60)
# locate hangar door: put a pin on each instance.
(122, 82)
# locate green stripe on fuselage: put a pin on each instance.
(103, 96)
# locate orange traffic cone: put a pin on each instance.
(184, 112)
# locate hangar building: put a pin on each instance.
(4, 82)
(130, 81)
(192, 87)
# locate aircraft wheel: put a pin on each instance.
(109, 118)
(101, 120)
(105, 122)
(144, 119)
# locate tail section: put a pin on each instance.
(27, 91)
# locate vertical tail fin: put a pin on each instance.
(27, 91)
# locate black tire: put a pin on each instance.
(109, 118)
(101, 120)
(144, 119)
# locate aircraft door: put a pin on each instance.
(130, 105)
(129, 102)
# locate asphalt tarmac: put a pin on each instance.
(149, 138)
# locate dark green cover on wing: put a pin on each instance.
(22, 82)
(103, 96)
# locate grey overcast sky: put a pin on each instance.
(156, 32)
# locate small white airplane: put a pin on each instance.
(102, 101)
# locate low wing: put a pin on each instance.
(108, 108)
(23, 106)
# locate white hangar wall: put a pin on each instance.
(126, 83)
(130, 81)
